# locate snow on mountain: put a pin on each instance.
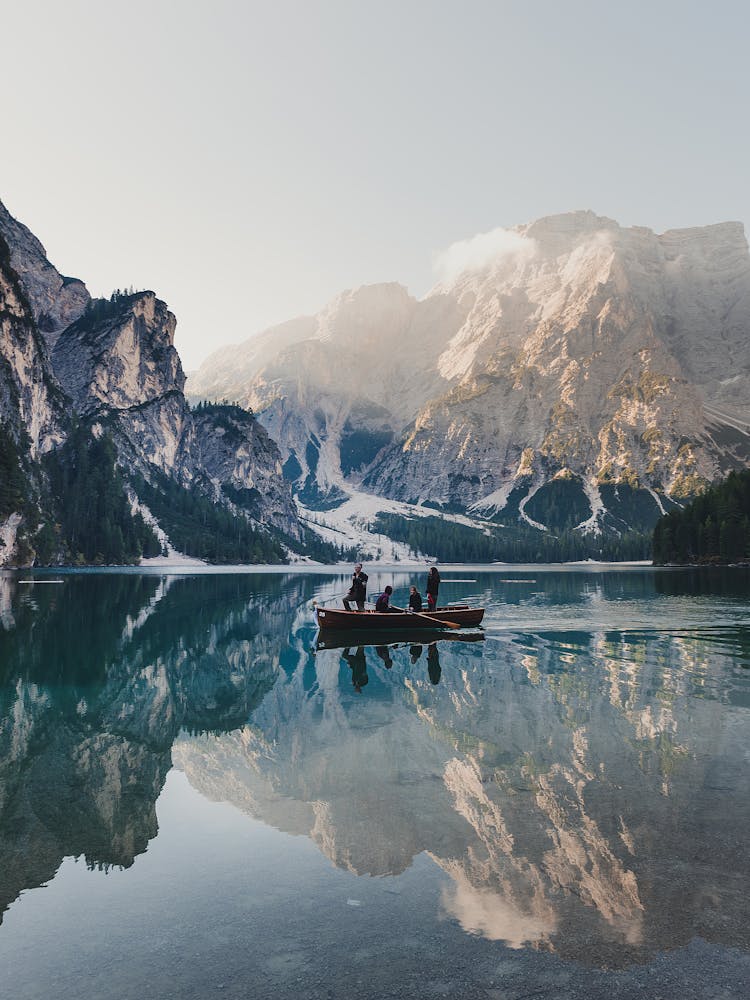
(570, 371)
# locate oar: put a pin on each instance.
(427, 618)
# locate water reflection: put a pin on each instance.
(358, 663)
(98, 678)
(584, 791)
(357, 660)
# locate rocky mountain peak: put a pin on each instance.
(119, 353)
(366, 313)
(56, 301)
(556, 233)
(720, 235)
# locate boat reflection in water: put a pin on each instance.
(354, 650)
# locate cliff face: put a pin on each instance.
(123, 373)
(581, 352)
(119, 366)
(125, 358)
(55, 301)
(339, 393)
(595, 351)
(32, 415)
(113, 363)
(31, 401)
(234, 452)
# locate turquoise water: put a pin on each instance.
(197, 800)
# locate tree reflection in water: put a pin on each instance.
(99, 676)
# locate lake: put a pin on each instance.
(197, 800)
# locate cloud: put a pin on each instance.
(479, 252)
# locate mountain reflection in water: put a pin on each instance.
(585, 792)
(97, 679)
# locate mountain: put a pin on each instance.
(120, 369)
(76, 371)
(587, 376)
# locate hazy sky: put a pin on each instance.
(249, 160)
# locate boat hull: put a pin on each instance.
(388, 621)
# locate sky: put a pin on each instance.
(249, 160)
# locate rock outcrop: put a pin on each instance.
(32, 416)
(229, 447)
(31, 401)
(56, 301)
(123, 373)
(122, 357)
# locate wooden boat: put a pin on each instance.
(351, 638)
(386, 621)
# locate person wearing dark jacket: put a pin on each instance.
(415, 600)
(383, 603)
(433, 586)
(358, 589)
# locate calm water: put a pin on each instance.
(197, 801)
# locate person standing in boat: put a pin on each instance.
(383, 603)
(358, 589)
(415, 600)
(433, 586)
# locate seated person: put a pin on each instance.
(383, 603)
(415, 600)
